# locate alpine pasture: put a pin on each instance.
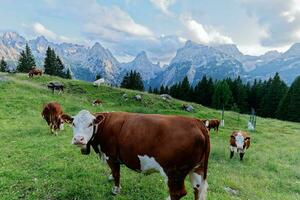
(35, 164)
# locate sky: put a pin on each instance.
(158, 27)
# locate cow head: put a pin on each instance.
(240, 142)
(83, 127)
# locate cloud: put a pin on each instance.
(108, 23)
(163, 5)
(257, 49)
(113, 19)
(40, 29)
(279, 18)
(205, 35)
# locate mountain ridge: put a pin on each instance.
(192, 60)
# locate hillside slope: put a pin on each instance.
(38, 165)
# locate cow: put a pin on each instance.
(174, 146)
(213, 123)
(53, 114)
(99, 82)
(35, 71)
(97, 102)
(56, 86)
(239, 142)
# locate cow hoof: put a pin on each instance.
(116, 190)
(110, 177)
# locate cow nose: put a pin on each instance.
(78, 140)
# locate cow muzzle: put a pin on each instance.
(79, 140)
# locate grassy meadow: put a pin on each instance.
(34, 164)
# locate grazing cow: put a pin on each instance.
(35, 71)
(97, 102)
(53, 114)
(213, 123)
(239, 142)
(174, 146)
(99, 82)
(56, 86)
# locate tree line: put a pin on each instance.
(53, 65)
(270, 98)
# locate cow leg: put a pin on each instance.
(241, 156)
(199, 184)
(51, 128)
(231, 154)
(176, 187)
(115, 169)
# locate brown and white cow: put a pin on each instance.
(53, 114)
(35, 71)
(213, 123)
(239, 142)
(174, 146)
(97, 102)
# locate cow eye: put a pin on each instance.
(91, 124)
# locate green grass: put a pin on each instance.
(37, 165)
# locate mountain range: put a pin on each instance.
(192, 60)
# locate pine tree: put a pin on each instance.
(3, 66)
(167, 91)
(155, 91)
(50, 62)
(26, 61)
(222, 95)
(162, 89)
(209, 92)
(68, 74)
(54, 66)
(239, 94)
(275, 90)
(175, 90)
(59, 68)
(289, 107)
(203, 91)
(185, 91)
(133, 80)
(150, 90)
(125, 81)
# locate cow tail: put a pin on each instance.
(206, 149)
(206, 155)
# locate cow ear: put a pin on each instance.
(99, 119)
(66, 118)
(247, 142)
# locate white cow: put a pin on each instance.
(99, 82)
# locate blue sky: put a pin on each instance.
(158, 27)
